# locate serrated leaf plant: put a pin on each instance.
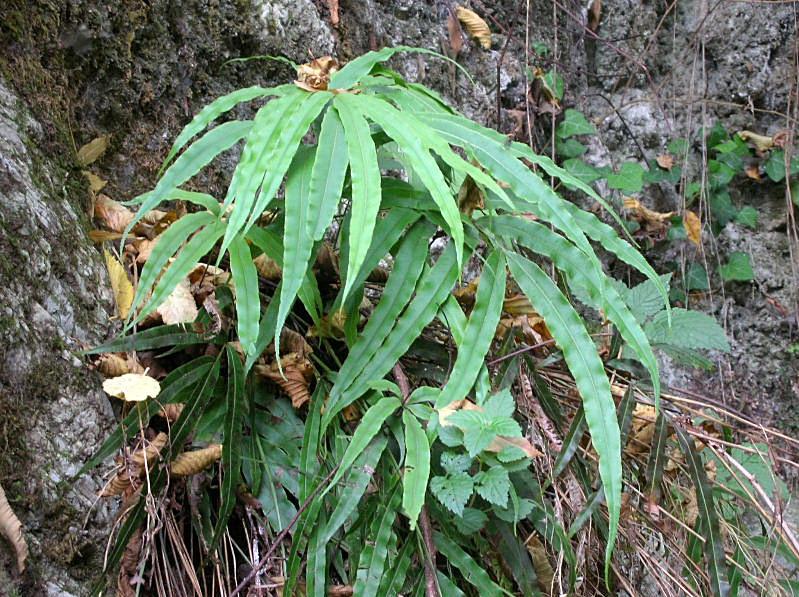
(360, 160)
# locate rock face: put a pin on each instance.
(53, 302)
(139, 70)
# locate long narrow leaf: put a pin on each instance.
(713, 546)
(479, 332)
(365, 175)
(424, 165)
(297, 244)
(190, 162)
(248, 298)
(408, 264)
(231, 446)
(169, 242)
(469, 568)
(581, 273)
(417, 468)
(327, 177)
(581, 356)
(368, 428)
(195, 249)
(433, 289)
(374, 558)
(214, 110)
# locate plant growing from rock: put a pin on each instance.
(392, 171)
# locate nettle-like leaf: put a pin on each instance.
(453, 491)
(493, 485)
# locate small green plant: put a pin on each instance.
(384, 468)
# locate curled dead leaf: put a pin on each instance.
(101, 236)
(455, 34)
(470, 197)
(693, 227)
(518, 305)
(642, 430)
(761, 143)
(652, 221)
(475, 25)
(114, 365)
(120, 285)
(179, 307)
(132, 387)
(131, 469)
(92, 151)
(594, 14)
(144, 247)
(11, 529)
(295, 380)
(112, 214)
(665, 161)
(315, 75)
(191, 463)
(753, 172)
(171, 412)
(267, 267)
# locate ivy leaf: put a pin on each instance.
(453, 491)
(570, 148)
(574, 123)
(738, 268)
(455, 463)
(493, 485)
(696, 278)
(629, 178)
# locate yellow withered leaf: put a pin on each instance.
(693, 227)
(761, 143)
(315, 75)
(120, 284)
(475, 25)
(132, 387)
(191, 463)
(179, 307)
(93, 150)
(11, 529)
(96, 184)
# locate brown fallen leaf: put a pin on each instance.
(315, 75)
(132, 387)
(11, 529)
(96, 184)
(470, 197)
(93, 150)
(171, 412)
(267, 267)
(455, 34)
(761, 143)
(131, 469)
(112, 214)
(114, 365)
(179, 306)
(693, 227)
(296, 378)
(332, 6)
(475, 25)
(545, 575)
(753, 172)
(101, 236)
(191, 463)
(642, 430)
(120, 285)
(144, 247)
(665, 161)
(594, 15)
(652, 221)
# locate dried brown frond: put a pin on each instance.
(475, 25)
(171, 412)
(131, 469)
(191, 463)
(295, 379)
(315, 75)
(11, 529)
(267, 267)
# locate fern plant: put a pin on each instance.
(383, 177)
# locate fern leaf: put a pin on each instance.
(479, 331)
(580, 354)
(327, 177)
(365, 175)
(248, 299)
(417, 468)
